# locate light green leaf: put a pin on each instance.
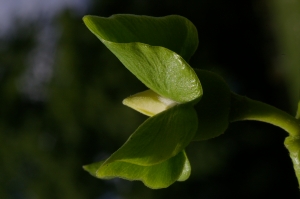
(186, 171)
(159, 138)
(173, 32)
(92, 168)
(160, 69)
(214, 107)
(157, 176)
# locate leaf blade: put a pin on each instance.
(156, 176)
(173, 32)
(161, 68)
(159, 138)
(214, 107)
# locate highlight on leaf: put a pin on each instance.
(161, 64)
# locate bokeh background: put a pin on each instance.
(61, 93)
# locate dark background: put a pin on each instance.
(61, 93)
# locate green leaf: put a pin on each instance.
(159, 138)
(159, 68)
(173, 32)
(92, 168)
(157, 176)
(293, 145)
(186, 171)
(214, 107)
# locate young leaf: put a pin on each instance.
(160, 69)
(156, 176)
(173, 32)
(159, 138)
(214, 107)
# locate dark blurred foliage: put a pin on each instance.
(54, 120)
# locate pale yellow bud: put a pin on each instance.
(149, 103)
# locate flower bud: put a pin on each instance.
(149, 103)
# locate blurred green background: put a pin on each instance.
(61, 93)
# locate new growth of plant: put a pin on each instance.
(183, 104)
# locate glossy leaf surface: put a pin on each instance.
(144, 53)
(157, 176)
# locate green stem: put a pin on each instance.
(243, 108)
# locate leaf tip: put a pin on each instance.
(85, 18)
